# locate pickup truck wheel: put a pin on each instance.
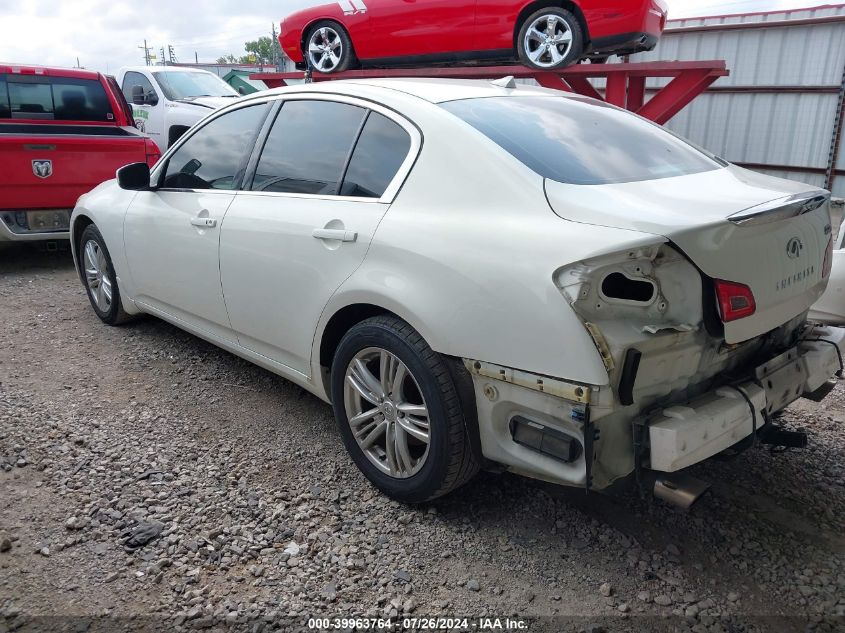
(399, 411)
(329, 48)
(99, 276)
(550, 38)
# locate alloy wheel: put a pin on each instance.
(96, 276)
(325, 49)
(387, 413)
(548, 40)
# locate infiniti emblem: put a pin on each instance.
(794, 248)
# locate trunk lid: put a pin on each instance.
(734, 224)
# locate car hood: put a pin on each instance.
(780, 255)
(207, 102)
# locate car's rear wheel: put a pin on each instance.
(99, 277)
(550, 38)
(399, 411)
(328, 48)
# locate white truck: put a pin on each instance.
(167, 100)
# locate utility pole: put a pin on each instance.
(146, 53)
(196, 58)
(171, 54)
(275, 56)
(278, 55)
(163, 57)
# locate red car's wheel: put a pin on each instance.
(328, 48)
(550, 38)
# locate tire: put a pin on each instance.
(333, 36)
(449, 459)
(96, 268)
(566, 26)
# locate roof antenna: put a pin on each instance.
(505, 82)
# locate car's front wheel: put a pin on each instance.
(549, 39)
(328, 48)
(99, 277)
(400, 412)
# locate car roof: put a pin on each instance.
(428, 89)
(48, 71)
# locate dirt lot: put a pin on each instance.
(265, 522)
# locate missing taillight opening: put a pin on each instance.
(736, 301)
(619, 286)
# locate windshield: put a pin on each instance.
(579, 141)
(188, 85)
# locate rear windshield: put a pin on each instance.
(53, 99)
(581, 142)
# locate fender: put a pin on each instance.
(110, 224)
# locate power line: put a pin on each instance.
(220, 37)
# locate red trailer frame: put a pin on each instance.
(625, 87)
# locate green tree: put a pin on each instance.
(227, 59)
(260, 51)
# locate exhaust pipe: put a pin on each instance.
(679, 489)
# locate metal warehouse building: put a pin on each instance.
(781, 109)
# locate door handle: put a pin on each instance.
(335, 234)
(205, 223)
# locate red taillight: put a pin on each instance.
(736, 301)
(153, 153)
(828, 259)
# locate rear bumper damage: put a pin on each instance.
(544, 428)
(683, 435)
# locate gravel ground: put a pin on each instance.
(259, 520)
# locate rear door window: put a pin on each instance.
(581, 141)
(308, 147)
(54, 98)
(378, 155)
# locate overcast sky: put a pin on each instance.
(107, 34)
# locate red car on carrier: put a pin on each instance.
(62, 133)
(542, 34)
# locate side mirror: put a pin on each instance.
(138, 95)
(241, 90)
(134, 177)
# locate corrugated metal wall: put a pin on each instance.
(777, 109)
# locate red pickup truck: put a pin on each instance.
(62, 132)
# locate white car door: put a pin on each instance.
(323, 181)
(172, 232)
(149, 114)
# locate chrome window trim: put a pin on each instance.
(313, 196)
(389, 193)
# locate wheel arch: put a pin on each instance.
(80, 222)
(343, 314)
(568, 5)
(348, 316)
(173, 136)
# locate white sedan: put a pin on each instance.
(477, 275)
(830, 308)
